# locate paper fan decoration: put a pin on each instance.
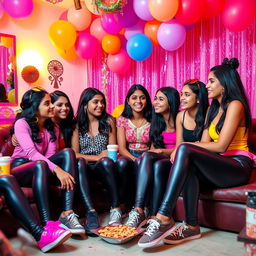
(30, 74)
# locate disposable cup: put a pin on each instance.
(5, 165)
(112, 151)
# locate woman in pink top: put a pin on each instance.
(35, 161)
(155, 165)
(133, 137)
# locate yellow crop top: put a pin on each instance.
(239, 141)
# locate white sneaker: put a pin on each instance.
(115, 217)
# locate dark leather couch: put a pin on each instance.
(220, 208)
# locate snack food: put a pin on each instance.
(118, 232)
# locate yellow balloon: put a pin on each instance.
(118, 110)
(11, 96)
(7, 41)
(69, 54)
(62, 34)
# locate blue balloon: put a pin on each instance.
(139, 47)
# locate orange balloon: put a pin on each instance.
(111, 44)
(150, 30)
(163, 10)
(118, 110)
(69, 54)
(7, 41)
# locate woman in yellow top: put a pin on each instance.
(221, 159)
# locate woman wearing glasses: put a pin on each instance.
(35, 161)
(221, 159)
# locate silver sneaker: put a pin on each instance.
(136, 219)
(115, 217)
(72, 223)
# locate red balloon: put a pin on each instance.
(190, 11)
(238, 14)
(213, 8)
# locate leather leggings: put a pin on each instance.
(18, 205)
(152, 176)
(195, 166)
(105, 170)
(38, 175)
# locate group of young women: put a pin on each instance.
(162, 152)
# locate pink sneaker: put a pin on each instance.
(52, 236)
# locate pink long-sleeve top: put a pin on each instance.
(31, 150)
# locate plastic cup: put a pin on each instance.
(5, 162)
(112, 152)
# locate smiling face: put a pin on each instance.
(188, 98)
(137, 101)
(45, 108)
(61, 108)
(95, 106)
(214, 87)
(160, 104)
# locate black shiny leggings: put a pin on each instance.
(18, 205)
(38, 175)
(153, 169)
(106, 171)
(194, 165)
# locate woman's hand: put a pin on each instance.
(103, 153)
(14, 141)
(66, 180)
(172, 156)
(156, 150)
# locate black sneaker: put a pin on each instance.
(155, 232)
(91, 222)
(136, 219)
(182, 233)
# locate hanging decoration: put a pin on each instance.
(111, 6)
(77, 4)
(30, 74)
(55, 68)
(54, 1)
(104, 73)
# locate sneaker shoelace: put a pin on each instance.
(115, 215)
(73, 218)
(179, 231)
(152, 227)
(133, 218)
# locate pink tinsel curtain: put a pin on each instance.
(207, 43)
(4, 61)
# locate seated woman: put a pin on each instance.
(35, 161)
(95, 130)
(64, 118)
(132, 136)
(47, 237)
(162, 135)
(220, 160)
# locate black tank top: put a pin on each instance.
(188, 135)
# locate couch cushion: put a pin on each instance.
(6, 147)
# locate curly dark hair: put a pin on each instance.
(82, 117)
(68, 124)
(29, 105)
(230, 79)
(158, 124)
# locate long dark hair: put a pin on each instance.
(29, 105)
(82, 117)
(67, 125)
(230, 79)
(158, 124)
(199, 89)
(128, 110)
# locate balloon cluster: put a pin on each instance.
(131, 33)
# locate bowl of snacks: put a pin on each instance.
(117, 234)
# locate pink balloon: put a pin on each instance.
(189, 11)
(142, 10)
(18, 9)
(86, 45)
(81, 19)
(63, 16)
(128, 16)
(238, 14)
(136, 29)
(119, 63)
(171, 35)
(97, 30)
(110, 23)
